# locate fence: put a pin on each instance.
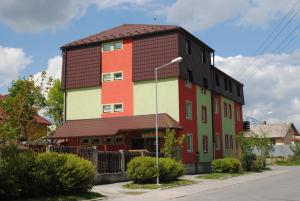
(279, 150)
(106, 162)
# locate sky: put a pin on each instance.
(255, 41)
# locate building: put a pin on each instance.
(36, 130)
(278, 133)
(108, 80)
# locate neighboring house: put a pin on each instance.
(36, 130)
(109, 87)
(279, 133)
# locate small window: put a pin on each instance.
(85, 141)
(204, 86)
(119, 139)
(188, 46)
(189, 80)
(226, 84)
(118, 45)
(204, 114)
(96, 141)
(188, 110)
(217, 79)
(189, 142)
(218, 141)
(118, 76)
(238, 91)
(107, 77)
(203, 55)
(118, 107)
(204, 144)
(109, 140)
(106, 108)
(225, 109)
(230, 86)
(107, 47)
(216, 105)
(230, 111)
(226, 142)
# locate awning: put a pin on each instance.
(113, 125)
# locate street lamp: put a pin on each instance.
(176, 60)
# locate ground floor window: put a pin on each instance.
(205, 144)
(189, 142)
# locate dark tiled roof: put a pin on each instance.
(113, 125)
(38, 119)
(123, 31)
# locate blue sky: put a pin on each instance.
(32, 32)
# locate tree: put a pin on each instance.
(55, 103)
(20, 107)
(171, 142)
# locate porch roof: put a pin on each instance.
(113, 125)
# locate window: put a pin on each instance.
(188, 110)
(107, 77)
(273, 141)
(189, 80)
(230, 86)
(188, 46)
(112, 46)
(204, 144)
(106, 108)
(226, 142)
(225, 109)
(109, 140)
(204, 114)
(230, 111)
(118, 107)
(218, 141)
(217, 79)
(238, 91)
(119, 139)
(204, 86)
(85, 141)
(96, 141)
(189, 142)
(230, 142)
(226, 84)
(118, 76)
(203, 56)
(216, 105)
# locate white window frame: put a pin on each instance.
(106, 80)
(112, 46)
(106, 110)
(82, 139)
(120, 41)
(100, 141)
(120, 72)
(111, 140)
(118, 110)
(205, 145)
(187, 110)
(189, 146)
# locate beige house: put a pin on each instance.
(279, 133)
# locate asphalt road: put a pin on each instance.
(280, 187)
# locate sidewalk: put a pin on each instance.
(117, 193)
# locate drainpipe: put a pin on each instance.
(64, 53)
(212, 108)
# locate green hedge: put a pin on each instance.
(226, 165)
(143, 169)
(24, 173)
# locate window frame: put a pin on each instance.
(106, 111)
(120, 137)
(225, 109)
(205, 144)
(106, 80)
(189, 146)
(111, 140)
(230, 111)
(99, 143)
(119, 72)
(119, 110)
(187, 110)
(204, 114)
(112, 46)
(86, 138)
(188, 47)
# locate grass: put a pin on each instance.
(288, 162)
(219, 175)
(73, 197)
(169, 184)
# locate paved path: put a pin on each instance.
(282, 183)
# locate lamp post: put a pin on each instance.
(176, 60)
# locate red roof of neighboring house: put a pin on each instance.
(38, 119)
(113, 125)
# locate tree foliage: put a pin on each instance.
(55, 103)
(171, 142)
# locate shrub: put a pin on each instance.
(143, 169)
(248, 161)
(258, 164)
(226, 165)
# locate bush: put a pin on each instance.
(143, 169)
(258, 164)
(248, 161)
(24, 173)
(226, 165)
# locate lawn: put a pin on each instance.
(288, 162)
(169, 184)
(74, 197)
(219, 175)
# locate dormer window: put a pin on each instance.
(188, 46)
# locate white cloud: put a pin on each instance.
(198, 15)
(273, 88)
(38, 15)
(12, 61)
